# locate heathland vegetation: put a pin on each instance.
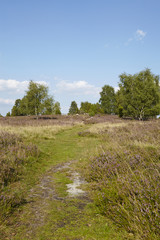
(115, 161)
(118, 159)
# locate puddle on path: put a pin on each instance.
(74, 188)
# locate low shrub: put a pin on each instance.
(127, 190)
(14, 157)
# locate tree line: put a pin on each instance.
(138, 97)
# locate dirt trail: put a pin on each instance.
(42, 195)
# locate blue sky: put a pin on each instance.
(75, 46)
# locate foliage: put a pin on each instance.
(73, 108)
(95, 109)
(57, 108)
(48, 106)
(35, 102)
(85, 107)
(16, 108)
(23, 108)
(139, 95)
(120, 111)
(90, 108)
(20, 107)
(38, 99)
(8, 114)
(107, 99)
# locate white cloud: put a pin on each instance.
(12, 84)
(16, 86)
(7, 101)
(78, 87)
(42, 83)
(140, 34)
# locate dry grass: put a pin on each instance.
(125, 176)
(14, 158)
(48, 120)
(103, 127)
(45, 127)
(46, 132)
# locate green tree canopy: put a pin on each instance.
(8, 114)
(73, 108)
(37, 95)
(36, 101)
(90, 108)
(57, 108)
(139, 95)
(16, 108)
(47, 106)
(24, 107)
(96, 109)
(85, 107)
(107, 99)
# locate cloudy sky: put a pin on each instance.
(75, 47)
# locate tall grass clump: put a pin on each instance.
(14, 158)
(125, 180)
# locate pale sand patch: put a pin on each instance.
(74, 188)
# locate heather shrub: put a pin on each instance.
(14, 158)
(10, 199)
(128, 191)
(125, 179)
